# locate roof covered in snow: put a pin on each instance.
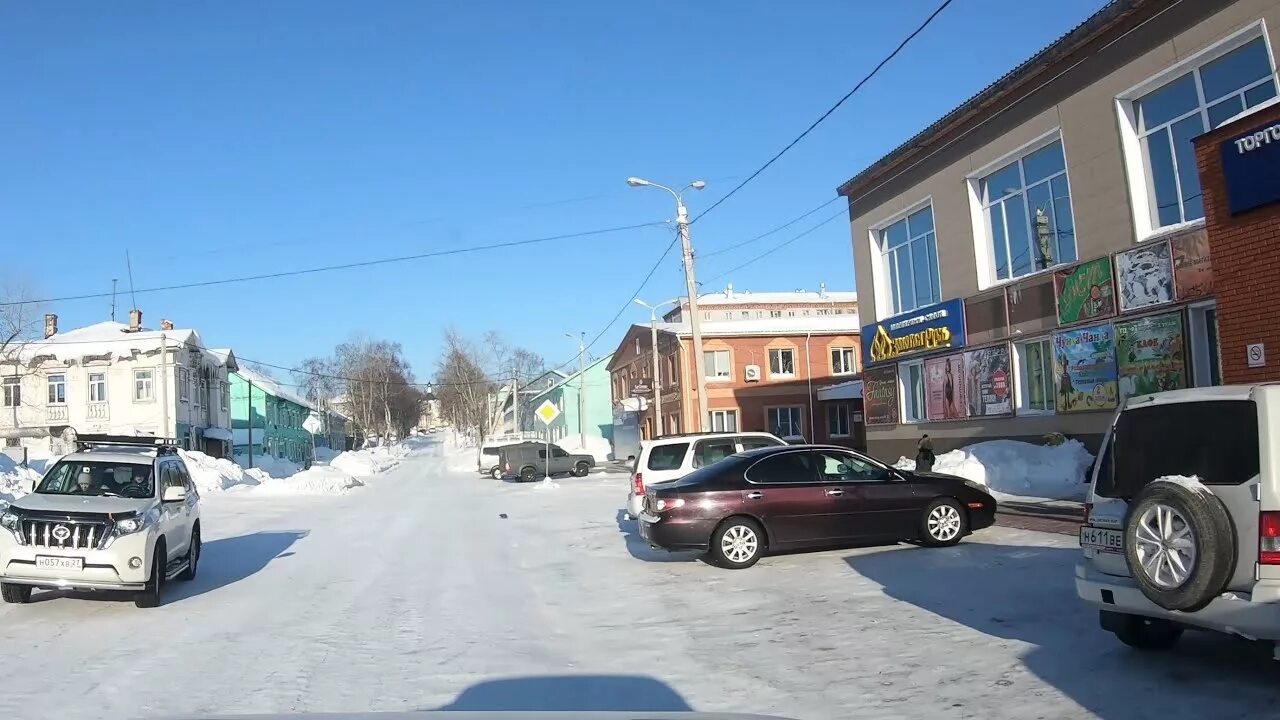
(114, 339)
(746, 297)
(828, 324)
(272, 386)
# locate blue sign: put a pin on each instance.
(1251, 167)
(921, 331)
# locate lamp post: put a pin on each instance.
(653, 349)
(691, 287)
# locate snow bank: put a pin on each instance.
(361, 463)
(273, 466)
(597, 447)
(14, 478)
(1018, 470)
(318, 480)
(216, 474)
(324, 454)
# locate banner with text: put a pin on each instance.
(988, 386)
(1085, 363)
(1085, 292)
(880, 395)
(1150, 355)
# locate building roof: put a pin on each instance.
(274, 387)
(113, 338)
(570, 378)
(746, 297)
(1007, 90)
(823, 324)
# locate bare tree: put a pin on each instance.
(379, 386)
(19, 323)
(462, 387)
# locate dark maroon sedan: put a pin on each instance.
(790, 497)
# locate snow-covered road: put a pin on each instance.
(416, 593)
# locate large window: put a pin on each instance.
(1170, 116)
(143, 385)
(910, 252)
(716, 364)
(1035, 376)
(786, 422)
(12, 392)
(184, 384)
(838, 420)
(97, 387)
(911, 379)
(667, 457)
(58, 389)
(1027, 210)
(844, 361)
(723, 420)
(782, 361)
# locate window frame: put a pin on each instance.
(11, 391)
(882, 281)
(725, 413)
(1139, 179)
(184, 380)
(848, 417)
(60, 384)
(887, 473)
(1018, 361)
(769, 426)
(904, 417)
(851, 367)
(151, 385)
(770, 354)
(97, 387)
(715, 353)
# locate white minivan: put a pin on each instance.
(671, 457)
(1182, 519)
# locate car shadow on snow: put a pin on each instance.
(639, 547)
(1027, 594)
(570, 693)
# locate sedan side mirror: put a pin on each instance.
(173, 493)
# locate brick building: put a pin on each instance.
(762, 374)
(1239, 165)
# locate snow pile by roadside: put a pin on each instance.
(1017, 470)
(361, 463)
(318, 480)
(324, 454)
(217, 474)
(272, 466)
(596, 447)
(14, 478)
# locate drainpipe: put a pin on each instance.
(808, 364)
(164, 387)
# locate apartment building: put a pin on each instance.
(1041, 252)
(730, 304)
(117, 379)
(761, 374)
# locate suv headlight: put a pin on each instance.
(10, 521)
(128, 526)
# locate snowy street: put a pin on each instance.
(411, 592)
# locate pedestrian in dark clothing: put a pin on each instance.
(924, 454)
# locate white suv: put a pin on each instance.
(1182, 524)
(120, 514)
(671, 457)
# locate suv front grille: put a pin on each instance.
(64, 534)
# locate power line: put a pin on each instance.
(347, 266)
(829, 111)
(761, 236)
(779, 246)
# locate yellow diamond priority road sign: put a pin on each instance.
(547, 412)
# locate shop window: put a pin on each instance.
(1035, 376)
(911, 390)
(1202, 340)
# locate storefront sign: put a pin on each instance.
(944, 388)
(1085, 365)
(1249, 163)
(933, 327)
(1144, 276)
(880, 395)
(1085, 292)
(1192, 270)
(989, 385)
(1150, 355)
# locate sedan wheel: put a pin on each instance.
(944, 523)
(737, 544)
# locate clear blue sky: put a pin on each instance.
(231, 138)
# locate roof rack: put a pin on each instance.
(712, 432)
(162, 446)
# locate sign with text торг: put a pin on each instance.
(1249, 163)
(923, 330)
(547, 412)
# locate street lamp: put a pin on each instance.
(682, 224)
(653, 348)
(582, 387)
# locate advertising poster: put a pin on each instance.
(1192, 270)
(1085, 292)
(1085, 364)
(944, 388)
(989, 386)
(1150, 355)
(1144, 276)
(880, 395)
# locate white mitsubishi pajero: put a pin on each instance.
(119, 514)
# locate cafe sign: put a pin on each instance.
(923, 330)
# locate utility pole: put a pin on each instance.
(691, 286)
(515, 407)
(248, 414)
(657, 383)
(582, 390)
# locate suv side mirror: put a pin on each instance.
(174, 493)
(28, 486)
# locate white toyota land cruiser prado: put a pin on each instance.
(121, 513)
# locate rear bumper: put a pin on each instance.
(1254, 615)
(675, 533)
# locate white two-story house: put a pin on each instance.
(117, 379)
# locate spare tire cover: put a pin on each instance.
(1180, 545)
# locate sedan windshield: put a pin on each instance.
(110, 479)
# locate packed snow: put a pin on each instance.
(14, 479)
(1014, 470)
(597, 447)
(216, 474)
(269, 464)
(316, 480)
(1190, 482)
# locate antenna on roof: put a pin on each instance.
(113, 299)
(129, 265)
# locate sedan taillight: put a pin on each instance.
(664, 504)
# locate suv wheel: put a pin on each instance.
(581, 469)
(528, 474)
(15, 594)
(149, 596)
(1143, 633)
(1180, 545)
(496, 473)
(193, 556)
(737, 543)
